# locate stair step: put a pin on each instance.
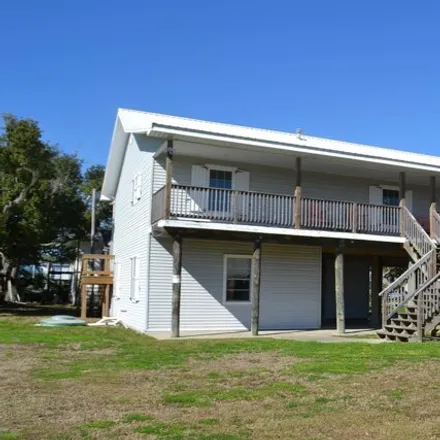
(383, 334)
(404, 322)
(399, 330)
(407, 316)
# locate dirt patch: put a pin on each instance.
(243, 362)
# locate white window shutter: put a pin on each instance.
(133, 191)
(199, 176)
(242, 180)
(137, 284)
(138, 186)
(376, 195)
(197, 199)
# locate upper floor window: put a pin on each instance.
(136, 193)
(220, 179)
(390, 197)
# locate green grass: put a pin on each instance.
(135, 351)
(137, 418)
(178, 388)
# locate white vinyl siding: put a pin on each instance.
(132, 228)
(290, 286)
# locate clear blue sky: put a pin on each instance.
(359, 70)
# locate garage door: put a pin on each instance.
(290, 287)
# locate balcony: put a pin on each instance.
(273, 210)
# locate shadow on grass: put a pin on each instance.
(35, 309)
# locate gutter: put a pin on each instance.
(168, 131)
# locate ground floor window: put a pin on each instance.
(237, 278)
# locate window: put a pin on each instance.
(135, 263)
(237, 278)
(390, 197)
(136, 189)
(221, 179)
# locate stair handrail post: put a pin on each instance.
(420, 313)
(384, 309)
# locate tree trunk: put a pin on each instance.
(11, 293)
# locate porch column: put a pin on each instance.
(177, 282)
(376, 288)
(402, 195)
(433, 205)
(297, 210)
(168, 177)
(402, 188)
(339, 290)
(255, 291)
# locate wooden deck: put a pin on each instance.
(274, 210)
(96, 271)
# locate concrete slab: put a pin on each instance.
(320, 335)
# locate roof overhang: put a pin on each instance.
(171, 127)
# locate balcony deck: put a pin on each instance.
(273, 210)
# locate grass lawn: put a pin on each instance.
(111, 383)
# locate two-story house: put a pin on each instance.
(224, 227)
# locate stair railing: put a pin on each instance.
(413, 231)
(402, 290)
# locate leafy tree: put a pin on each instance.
(41, 204)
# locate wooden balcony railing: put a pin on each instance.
(255, 208)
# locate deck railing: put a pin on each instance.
(255, 208)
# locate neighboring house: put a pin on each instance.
(256, 222)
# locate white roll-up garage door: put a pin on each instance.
(290, 287)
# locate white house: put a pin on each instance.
(263, 226)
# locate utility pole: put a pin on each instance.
(92, 243)
(93, 222)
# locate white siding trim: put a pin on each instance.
(225, 279)
(277, 231)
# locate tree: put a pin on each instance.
(41, 204)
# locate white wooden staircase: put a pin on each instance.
(411, 304)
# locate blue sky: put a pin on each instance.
(366, 71)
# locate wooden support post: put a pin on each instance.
(354, 225)
(234, 206)
(83, 301)
(297, 210)
(376, 288)
(106, 301)
(402, 203)
(255, 290)
(177, 282)
(339, 290)
(402, 188)
(168, 178)
(432, 206)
